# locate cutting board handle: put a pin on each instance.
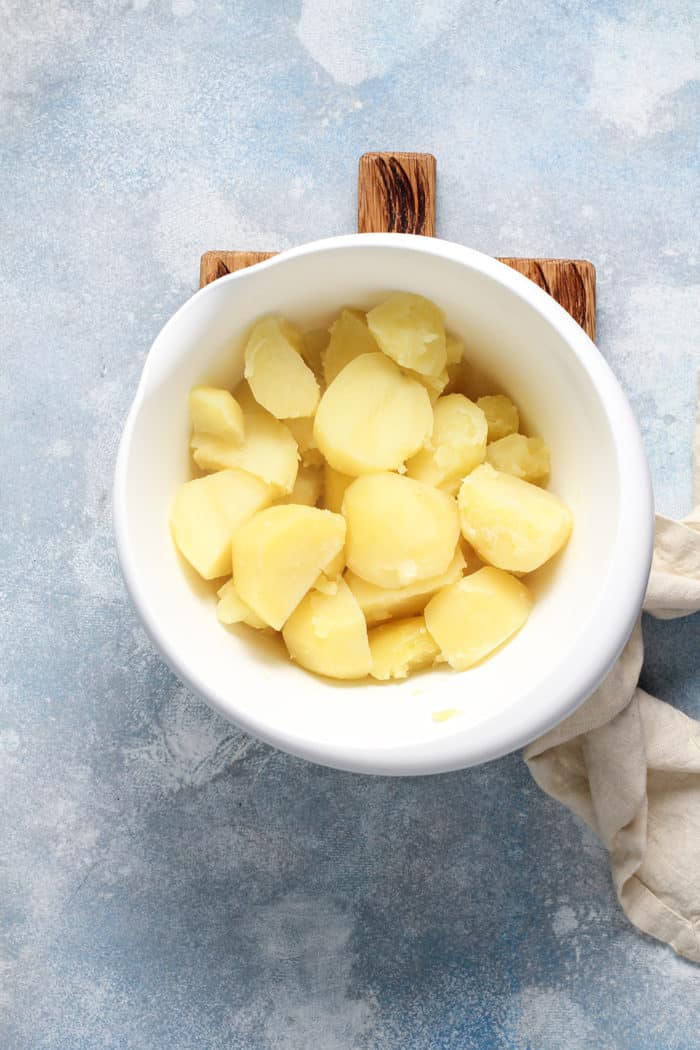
(396, 193)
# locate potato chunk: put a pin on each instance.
(279, 553)
(523, 457)
(334, 486)
(349, 337)
(269, 451)
(411, 330)
(214, 411)
(399, 530)
(511, 523)
(383, 603)
(231, 609)
(372, 417)
(313, 344)
(454, 349)
(207, 511)
(471, 618)
(501, 415)
(401, 647)
(307, 487)
(327, 634)
(302, 430)
(280, 379)
(458, 444)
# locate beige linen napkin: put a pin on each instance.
(629, 764)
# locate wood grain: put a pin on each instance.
(217, 264)
(570, 281)
(396, 193)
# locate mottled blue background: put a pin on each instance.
(167, 882)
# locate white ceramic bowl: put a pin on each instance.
(586, 604)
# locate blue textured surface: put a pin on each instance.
(166, 881)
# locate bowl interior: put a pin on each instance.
(533, 352)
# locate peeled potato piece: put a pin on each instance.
(231, 609)
(501, 415)
(523, 457)
(327, 634)
(214, 411)
(383, 603)
(511, 523)
(302, 430)
(372, 417)
(454, 349)
(269, 451)
(307, 487)
(278, 376)
(399, 530)
(334, 486)
(279, 553)
(471, 618)
(411, 330)
(349, 337)
(207, 511)
(313, 344)
(401, 647)
(433, 384)
(458, 444)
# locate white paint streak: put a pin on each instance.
(640, 63)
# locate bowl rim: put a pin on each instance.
(607, 632)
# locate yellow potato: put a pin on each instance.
(334, 486)
(244, 396)
(372, 417)
(433, 384)
(383, 603)
(269, 451)
(335, 565)
(411, 330)
(313, 344)
(501, 415)
(401, 647)
(307, 487)
(231, 609)
(524, 457)
(214, 411)
(326, 585)
(471, 618)
(511, 523)
(458, 444)
(399, 530)
(349, 337)
(327, 634)
(302, 430)
(280, 379)
(207, 511)
(279, 553)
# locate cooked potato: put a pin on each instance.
(302, 430)
(231, 609)
(307, 487)
(372, 417)
(472, 617)
(433, 384)
(334, 486)
(216, 412)
(279, 553)
(509, 522)
(399, 530)
(335, 566)
(349, 337)
(523, 457)
(454, 349)
(277, 374)
(327, 634)
(401, 647)
(207, 511)
(313, 344)
(411, 330)
(458, 444)
(244, 396)
(383, 603)
(501, 415)
(269, 451)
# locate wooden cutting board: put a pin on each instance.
(396, 194)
